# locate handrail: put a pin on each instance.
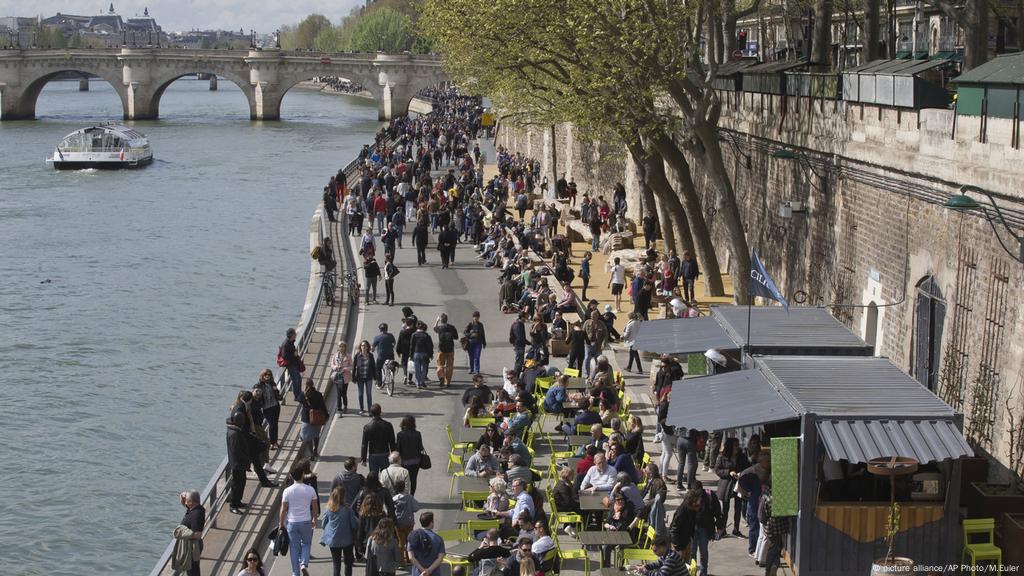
(209, 497)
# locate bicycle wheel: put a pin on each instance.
(389, 381)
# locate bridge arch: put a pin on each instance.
(161, 84)
(19, 102)
(270, 105)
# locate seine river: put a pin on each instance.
(135, 304)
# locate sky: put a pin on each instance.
(179, 15)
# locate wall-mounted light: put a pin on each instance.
(963, 203)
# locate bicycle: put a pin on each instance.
(387, 377)
(329, 285)
(352, 285)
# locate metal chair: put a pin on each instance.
(572, 372)
(454, 536)
(459, 471)
(984, 550)
(571, 554)
(470, 498)
(481, 421)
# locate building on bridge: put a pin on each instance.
(110, 29)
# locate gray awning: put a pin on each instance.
(724, 401)
(861, 440)
(682, 336)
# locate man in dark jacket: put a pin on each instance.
(419, 239)
(650, 224)
(689, 271)
(446, 337)
(378, 441)
(349, 479)
(447, 240)
(517, 338)
(402, 347)
(239, 459)
(478, 389)
(422, 347)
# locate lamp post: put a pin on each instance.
(277, 38)
(252, 38)
(963, 203)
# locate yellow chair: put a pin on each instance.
(571, 554)
(984, 550)
(475, 526)
(481, 421)
(460, 447)
(559, 518)
(638, 554)
(571, 372)
(557, 454)
(470, 498)
(583, 429)
(543, 383)
(459, 471)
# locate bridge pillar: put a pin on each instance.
(83, 84)
(213, 83)
(14, 105)
(393, 102)
(136, 72)
(267, 105)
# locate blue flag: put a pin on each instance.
(761, 284)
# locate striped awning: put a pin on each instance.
(861, 440)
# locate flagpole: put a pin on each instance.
(750, 302)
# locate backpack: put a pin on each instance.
(315, 253)
(280, 357)
(702, 441)
(420, 541)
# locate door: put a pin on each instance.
(930, 312)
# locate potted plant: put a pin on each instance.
(990, 500)
(892, 467)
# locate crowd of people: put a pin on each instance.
(426, 174)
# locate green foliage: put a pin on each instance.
(382, 29)
(385, 24)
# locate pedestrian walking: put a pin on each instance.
(341, 375)
(384, 345)
(426, 548)
(372, 272)
(629, 334)
(402, 346)
(689, 271)
(382, 549)
(340, 528)
(446, 337)
(289, 359)
(390, 271)
(313, 416)
(239, 459)
(585, 272)
(364, 371)
(728, 465)
(422, 346)
(253, 564)
(617, 281)
(300, 509)
(378, 441)
(517, 338)
(447, 241)
(476, 341)
(411, 450)
(420, 237)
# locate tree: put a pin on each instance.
(382, 29)
(545, 62)
(972, 17)
(821, 47)
(303, 35)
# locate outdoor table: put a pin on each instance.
(578, 440)
(577, 383)
(473, 484)
(462, 549)
(592, 502)
(605, 538)
(464, 517)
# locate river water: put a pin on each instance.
(135, 304)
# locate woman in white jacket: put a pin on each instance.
(341, 373)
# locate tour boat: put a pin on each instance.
(106, 146)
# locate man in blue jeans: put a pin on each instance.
(426, 548)
(384, 346)
(751, 480)
(707, 523)
(422, 347)
(300, 508)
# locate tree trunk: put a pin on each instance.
(821, 47)
(890, 43)
(651, 201)
(694, 214)
(975, 34)
(675, 215)
(554, 159)
(871, 30)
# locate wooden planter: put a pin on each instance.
(1012, 541)
(993, 500)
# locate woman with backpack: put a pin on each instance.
(382, 558)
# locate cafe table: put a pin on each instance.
(592, 502)
(605, 538)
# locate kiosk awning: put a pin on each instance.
(861, 440)
(730, 400)
(682, 336)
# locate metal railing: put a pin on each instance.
(211, 496)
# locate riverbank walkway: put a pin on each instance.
(459, 291)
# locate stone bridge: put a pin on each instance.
(141, 75)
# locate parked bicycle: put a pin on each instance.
(352, 285)
(329, 286)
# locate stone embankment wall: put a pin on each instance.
(930, 287)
